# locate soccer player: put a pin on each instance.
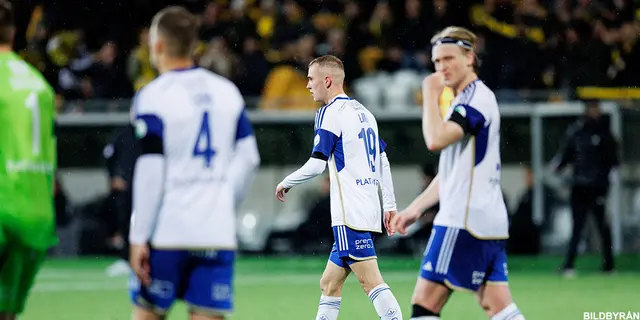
(27, 164)
(466, 249)
(346, 138)
(198, 155)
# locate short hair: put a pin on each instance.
(179, 29)
(328, 61)
(6, 22)
(461, 34)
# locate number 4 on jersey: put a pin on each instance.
(202, 147)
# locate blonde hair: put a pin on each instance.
(459, 34)
(328, 61)
(332, 65)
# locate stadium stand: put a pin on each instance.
(100, 52)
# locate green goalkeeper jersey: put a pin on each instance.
(27, 155)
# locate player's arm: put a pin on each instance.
(148, 178)
(427, 199)
(246, 158)
(439, 134)
(324, 142)
(388, 194)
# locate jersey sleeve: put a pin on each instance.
(243, 128)
(326, 134)
(469, 118)
(383, 146)
(149, 126)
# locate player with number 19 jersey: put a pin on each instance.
(347, 133)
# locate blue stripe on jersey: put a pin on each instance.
(316, 124)
(243, 128)
(338, 155)
(324, 142)
(481, 141)
(321, 116)
(149, 124)
(321, 112)
(468, 92)
(383, 145)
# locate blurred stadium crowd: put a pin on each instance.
(100, 52)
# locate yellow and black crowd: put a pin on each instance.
(93, 49)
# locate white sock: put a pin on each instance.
(426, 318)
(328, 308)
(510, 312)
(385, 303)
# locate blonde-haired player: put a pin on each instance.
(346, 138)
(466, 250)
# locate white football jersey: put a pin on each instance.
(346, 134)
(199, 116)
(469, 170)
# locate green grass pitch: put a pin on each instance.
(287, 288)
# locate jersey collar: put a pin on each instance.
(341, 96)
(194, 67)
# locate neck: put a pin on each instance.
(176, 64)
(471, 77)
(5, 48)
(333, 95)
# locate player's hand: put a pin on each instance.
(433, 85)
(139, 260)
(403, 220)
(280, 191)
(388, 216)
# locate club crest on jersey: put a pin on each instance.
(141, 128)
(461, 110)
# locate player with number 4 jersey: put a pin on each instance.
(27, 164)
(346, 139)
(198, 155)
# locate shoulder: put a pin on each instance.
(144, 99)
(480, 97)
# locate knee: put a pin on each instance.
(432, 298)
(330, 287)
(368, 285)
(494, 301)
(486, 306)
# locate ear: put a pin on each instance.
(158, 46)
(327, 82)
(471, 57)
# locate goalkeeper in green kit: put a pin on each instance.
(27, 163)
